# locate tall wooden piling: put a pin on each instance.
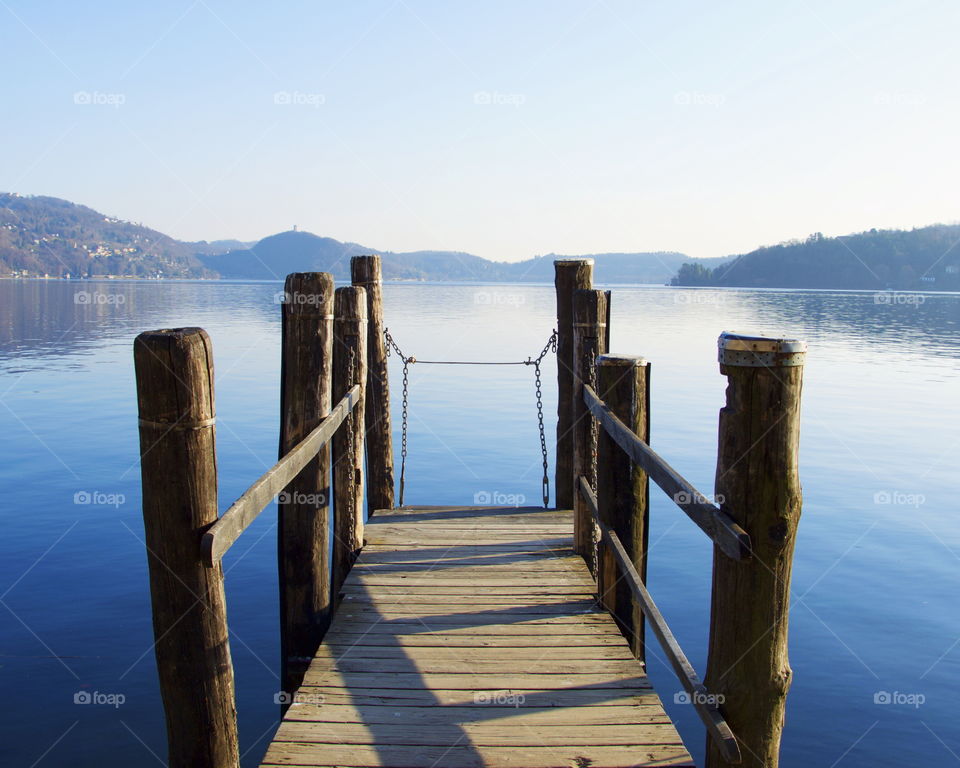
(570, 275)
(623, 489)
(758, 485)
(366, 273)
(174, 371)
(349, 369)
(589, 341)
(303, 523)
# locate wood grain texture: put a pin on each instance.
(366, 272)
(570, 275)
(303, 529)
(503, 664)
(349, 370)
(758, 481)
(589, 341)
(174, 372)
(622, 489)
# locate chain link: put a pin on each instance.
(392, 345)
(590, 366)
(351, 363)
(550, 346)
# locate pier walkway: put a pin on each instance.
(461, 637)
(471, 636)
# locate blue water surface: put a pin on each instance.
(874, 631)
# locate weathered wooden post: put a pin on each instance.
(303, 523)
(622, 488)
(366, 273)
(758, 485)
(349, 368)
(589, 341)
(570, 275)
(178, 467)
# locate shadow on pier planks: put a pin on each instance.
(470, 637)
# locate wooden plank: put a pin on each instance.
(483, 649)
(462, 640)
(251, 503)
(524, 716)
(448, 663)
(415, 654)
(477, 734)
(732, 540)
(562, 700)
(467, 756)
(470, 682)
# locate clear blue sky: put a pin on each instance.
(506, 129)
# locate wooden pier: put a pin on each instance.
(472, 637)
(468, 636)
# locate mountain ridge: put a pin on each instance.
(43, 236)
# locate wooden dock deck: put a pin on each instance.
(470, 636)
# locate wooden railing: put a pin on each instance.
(327, 356)
(752, 521)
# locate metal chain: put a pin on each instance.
(391, 344)
(589, 364)
(551, 345)
(351, 362)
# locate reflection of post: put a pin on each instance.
(758, 485)
(589, 340)
(570, 275)
(622, 489)
(174, 370)
(303, 526)
(349, 369)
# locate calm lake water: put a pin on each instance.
(874, 628)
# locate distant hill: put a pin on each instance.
(48, 236)
(275, 256)
(919, 259)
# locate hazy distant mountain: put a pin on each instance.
(275, 256)
(918, 259)
(49, 236)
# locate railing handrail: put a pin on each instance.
(732, 540)
(222, 534)
(711, 717)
